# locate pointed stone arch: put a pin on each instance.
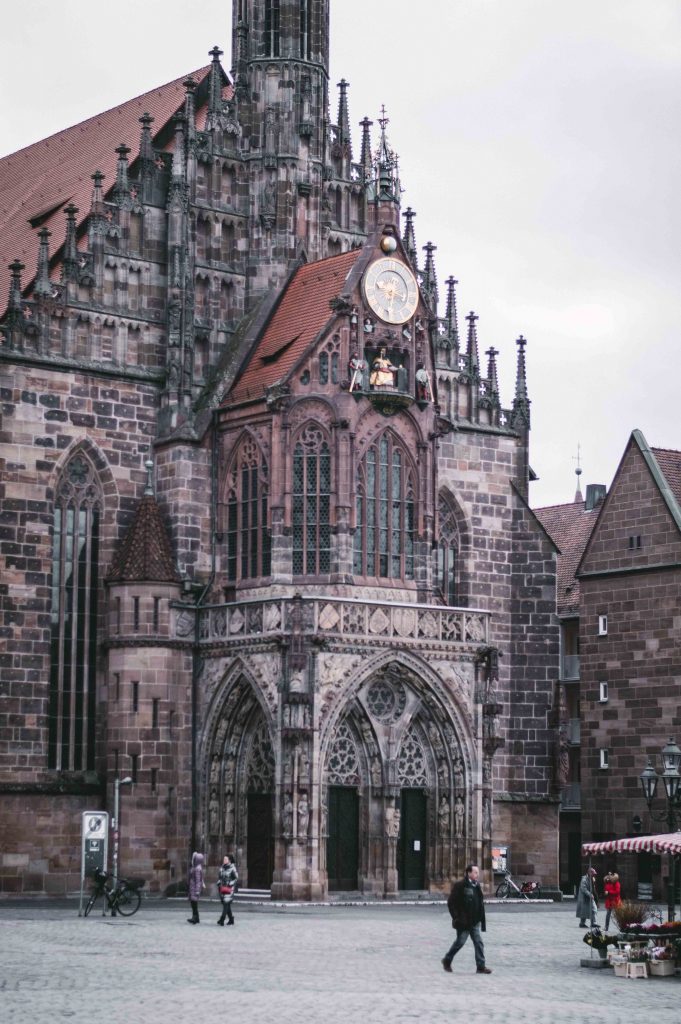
(238, 759)
(452, 550)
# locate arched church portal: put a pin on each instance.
(239, 812)
(396, 801)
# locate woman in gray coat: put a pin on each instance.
(586, 898)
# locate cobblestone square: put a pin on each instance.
(332, 964)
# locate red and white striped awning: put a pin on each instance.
(668, 843)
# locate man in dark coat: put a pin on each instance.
(467, 907)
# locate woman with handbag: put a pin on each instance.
(227, 879)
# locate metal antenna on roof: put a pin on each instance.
(578, 472)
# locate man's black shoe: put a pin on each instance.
(447, 966)
(483, 970)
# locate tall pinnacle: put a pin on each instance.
(472, 357)
(344, 139)
(214, 90)
(409, 238)
(520, 413)
(429, 285)
(451, 315)
(42, 284)
(121, 190)
(385, 162)
(492, 377)
(69, 269)
(365, 158)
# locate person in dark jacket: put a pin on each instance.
(467, 908)
(227, 879)
(196, 886)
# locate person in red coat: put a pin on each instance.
(613, 897)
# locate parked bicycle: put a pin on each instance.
(507, 888)
(124, 899)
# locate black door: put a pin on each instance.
(260, 860)
(412, 842)
(342, 846)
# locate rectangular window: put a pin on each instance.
(171, 800)
(135, 696)
(117, 687)
(603, 758)
(603, 692)
(134, 758)
(136, 614)
(602, 625)
(154, 777)
(154, 712)
(635, 541)
(157, 607)
(117, 614)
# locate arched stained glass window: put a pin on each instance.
(248, 534)
(447, 552)
(386, 508)
(311, 504)
(73, 628)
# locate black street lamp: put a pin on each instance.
(671, 778)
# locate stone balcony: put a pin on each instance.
(333, 618)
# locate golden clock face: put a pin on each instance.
(391, 291)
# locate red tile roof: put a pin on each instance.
(145, 554)
(569, 527)
(669, 462)
(51, 173)
(300, 315)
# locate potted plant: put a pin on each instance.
(661, 961)
(630, 915)
(598, 941)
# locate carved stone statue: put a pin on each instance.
(486, 815)
(303, 817)
(230, 771)
(376, 774)
(443, 816)
(436, 739)
(304, 770)
(287, 815)
(214, 813)
(392, 822)
(442, 773)
(459, 817)
(215, 770)
(458, 774)
(229, 815)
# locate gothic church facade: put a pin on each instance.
(266, 547)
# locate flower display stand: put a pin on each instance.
(637, 970)
(620, 967)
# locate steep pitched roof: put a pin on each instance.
(145, 554)
(669, 462)
(570, 527)
(38, 181)
(302, 312)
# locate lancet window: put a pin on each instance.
(311, 503)
(385, 511)
(272, 15)
(448, 553)
(248, 534)
(73, 625)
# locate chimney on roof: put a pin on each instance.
(594, 496)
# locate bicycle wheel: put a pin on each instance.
(503, 890)
(90, 903)
(128, 902)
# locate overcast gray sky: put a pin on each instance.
(539, 145)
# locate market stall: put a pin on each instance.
(644, 947)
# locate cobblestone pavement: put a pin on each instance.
(370, 965)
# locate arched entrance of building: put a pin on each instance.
(396, 796)
(241, 786)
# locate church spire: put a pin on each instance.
(578, 473)
(520, 413)
(121, 190)
(409, 238)
(213, 119)
(385, 163)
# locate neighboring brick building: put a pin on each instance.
(619, 581)
(265, 544)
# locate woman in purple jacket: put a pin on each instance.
(196, 886)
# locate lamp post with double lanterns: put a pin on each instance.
(671, 760)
